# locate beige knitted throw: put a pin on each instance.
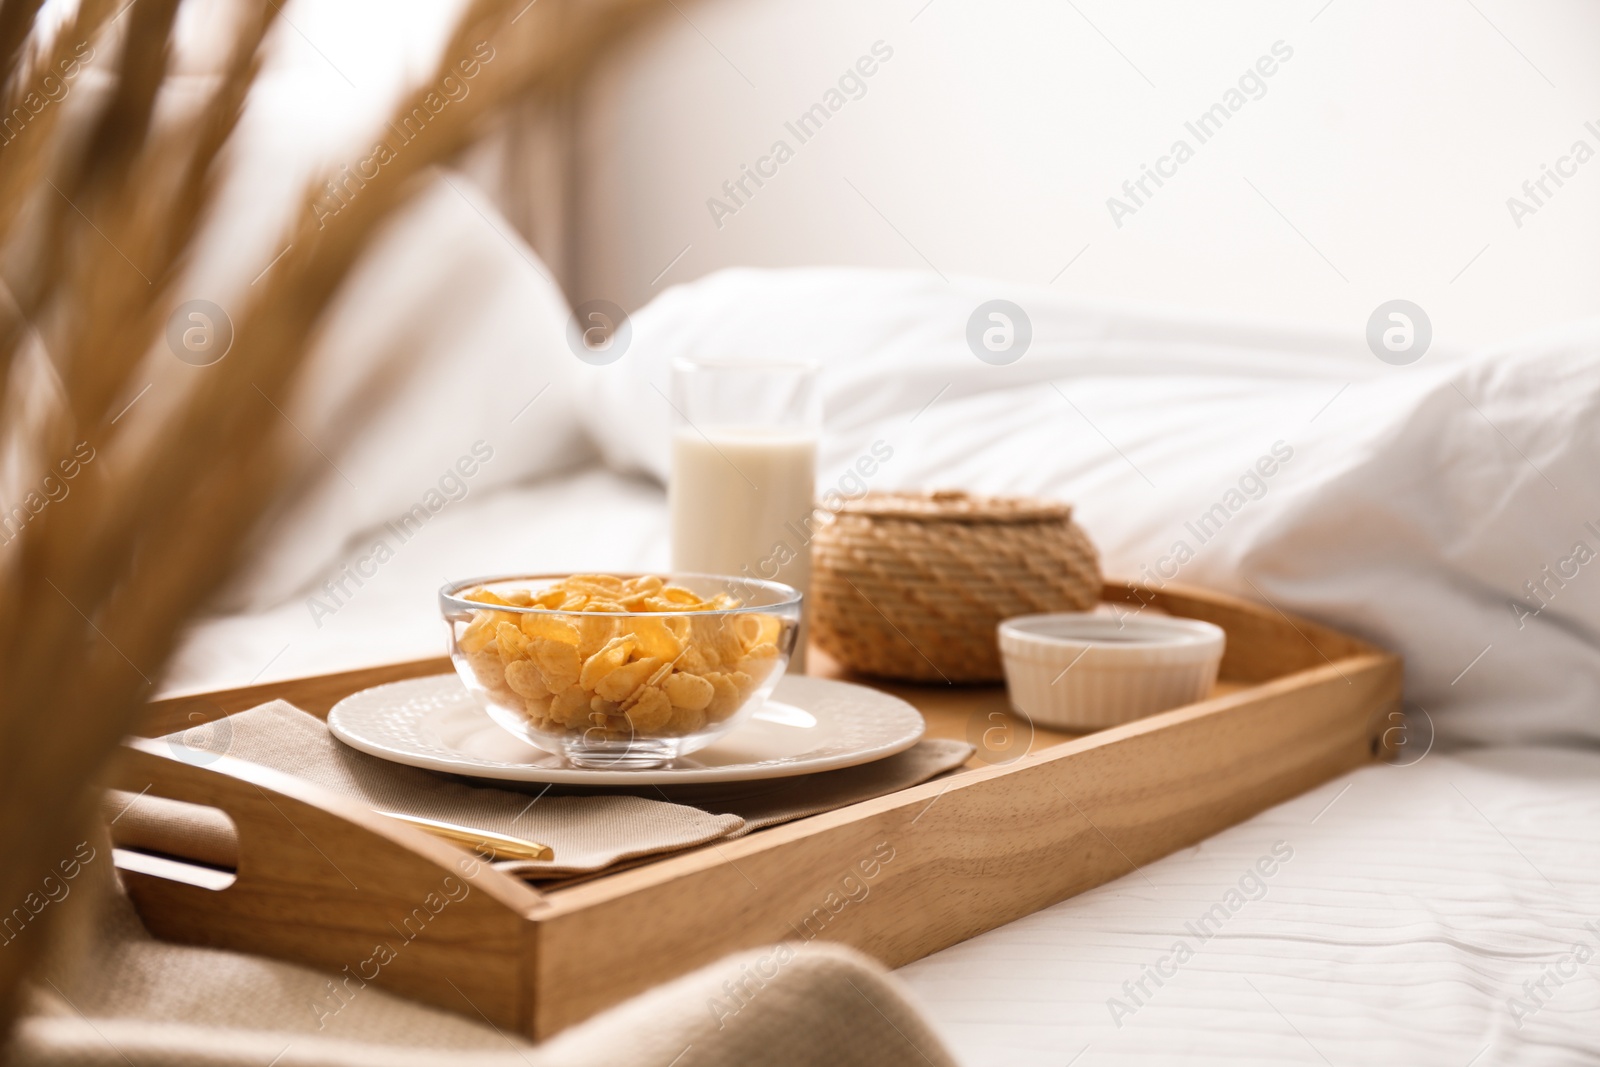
(115, 997)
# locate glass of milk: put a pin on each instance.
(744, 471)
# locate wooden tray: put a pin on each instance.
(326, 882)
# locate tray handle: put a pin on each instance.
(325, 881)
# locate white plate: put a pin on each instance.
(809, 725)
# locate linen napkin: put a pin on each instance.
(588, 831)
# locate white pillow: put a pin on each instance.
(891, 341)
(466, 330)
(1410, 505)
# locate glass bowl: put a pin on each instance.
(620, 671)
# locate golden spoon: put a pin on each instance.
(491, 845)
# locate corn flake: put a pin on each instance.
(614, 671)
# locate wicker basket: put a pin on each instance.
(912, 585)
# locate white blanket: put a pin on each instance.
(1443, 509)
(362, 611)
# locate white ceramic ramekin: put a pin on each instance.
(1085, 671)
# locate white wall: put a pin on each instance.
(990, 142)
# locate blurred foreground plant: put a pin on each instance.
(96, 227)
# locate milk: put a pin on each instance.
(741, 500)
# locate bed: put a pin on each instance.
(1419, 899)
(1429, 911)
(1442, 911)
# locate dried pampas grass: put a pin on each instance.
(94, 235)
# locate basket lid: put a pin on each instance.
(956, 505)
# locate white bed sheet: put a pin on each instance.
(1417, 902)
